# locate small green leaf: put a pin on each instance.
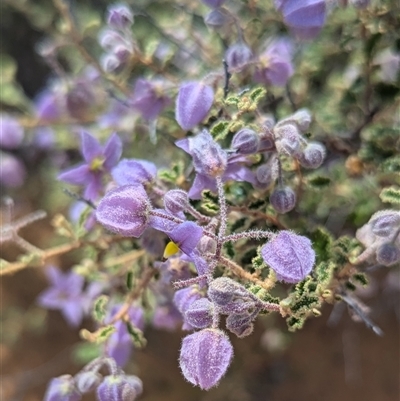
(99, 308)
(137, 335)
(390, 195)
(220, 130)
(85, 352)
(257, 94)
(295, 323)
(104, 333)
(232, 100)
(360, 278)
(230, 250)
(319, 181)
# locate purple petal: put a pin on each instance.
(193, 103)
(200, 183)
(112, 151)
(162, 224)
(184, 145)
(186, 235)
(132, 171)
(73, 312)
(79, 175)
(93, 187)
(52, 298)
(90, 147)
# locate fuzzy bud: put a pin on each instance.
(288, 139)
(205, 356)
(230, 296)
(264, 174)
(385, 222)
(240, 324)
(87, 382)
(238, 55)
(62, 389)
(200, 313)
(125, 210)
(193, 103)
(119, 16)
(245, 141)
(176, 201)
(290, 256)
(217, 18)
(79, 100)
(283, 200)
(388, 254)
(12, 171)
(119, 388)
(185, 297)
(313, 155)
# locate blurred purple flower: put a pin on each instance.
(11, 132)
(119, 387)
(98, 161)
(62, 389)
(275, 63)
(119, 16)
(238, 56)
(148, 98)
(305, 18)
(65, 294)
(48, 106)
(119, 345)
(213, 3)
(12, 170)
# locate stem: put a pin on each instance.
(197, 215)
(256, 234)
(222, 214)
(185, 283)
(267, 284)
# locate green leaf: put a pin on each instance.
(319, 181)
(137, 335)
(220, 130)
(257, 94)
(104, 333)
(230, 250)
(99, 308)
(324, 273)
(390, 195)
(85, 352)
(232, 100)
(391, 164)
(321, 241)
(295, 323)
(360, 278)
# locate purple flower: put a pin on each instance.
(65, 294)
(213, 3)
(238, 56)
(119, 388)
(148, 98)
(11, 132)
(125, 210)
(205, 356)
(134, 171)
(305, 18)
(62, 389)
(290, 256)
(245, 141)
(186, 236)
(48, 107)
(166, 317)
(193, 103)
(12, 171)
(98, 161)
(119, 345)
(275, 64)
(119, 16)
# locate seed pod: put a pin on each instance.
(62, 389)
(245, 141)
(119, 388)
(238, 55)
(283, 200)
(385, 222)
(200, 313)
(313, 155)
(205, 356)
(176, 201)
(240, 324)
(388, 254)
(87, 382)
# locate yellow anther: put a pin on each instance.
(170, 250)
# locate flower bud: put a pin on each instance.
(193, 103)
(230, 296)
(290, 256)
(176, 201)
(62, 389)
(119, 16)
(313, 155)
(264, 174)
(302, 118)
(87, 382)
(288, 139)
(240, 324)
(119, 388)
(205, 356)
(283, 200)
(238, 55)
(245, 141)
(11, 132)
(12, 171)
(185, 297)
(385, 222)
(208, 156)
(388, 254)
(110, 62)
(125, 210)
(200, 313)
(79, 100)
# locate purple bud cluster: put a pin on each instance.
(117, 40)
(381, 238)
(116, 386)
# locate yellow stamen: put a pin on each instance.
(170, 250)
